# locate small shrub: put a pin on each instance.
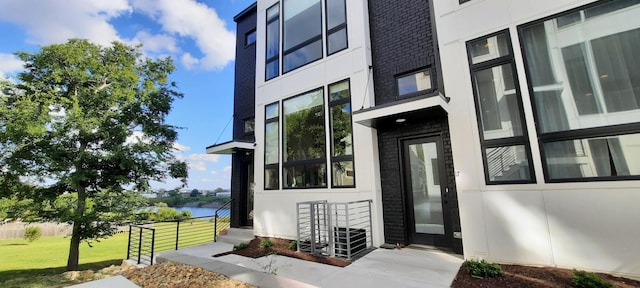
(266, 243)
(293, 245)
(583, 279)
(32, 233)
(483, 268)
(240, 246)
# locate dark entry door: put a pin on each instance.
(429, 220)
(249, 189)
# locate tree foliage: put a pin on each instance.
(86, 123)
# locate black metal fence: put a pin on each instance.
(148, 239)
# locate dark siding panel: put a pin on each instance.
(402, 41)
(245, 76)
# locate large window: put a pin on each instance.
(272, 64)
(336, 25)
(504, 142)
(271, 147)
(302, 34)
(302, 38)
(304, 138)
(584, 77)
(342, 173)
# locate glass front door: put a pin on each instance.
(426, 192)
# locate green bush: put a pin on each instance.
(293, 245)
(483, 268)
(266, 243)
(583, 279)
(186, 214)
(240, 246)
(32, 233)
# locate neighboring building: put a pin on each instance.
(529, 157)
(242, 147)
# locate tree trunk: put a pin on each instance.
(74, 246)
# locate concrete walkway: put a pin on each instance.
(407, 267)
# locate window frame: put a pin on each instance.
(246, 38)
(276, 166)
(410, 73)
(341, 158)
(275, 58)
(522, 140)
(303, 44)
(253, 126)
(336, 29)
(572, 134)
(306, 162)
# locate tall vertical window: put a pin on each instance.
(302, 38)
(584, 77)
(505, 147)
(304, 137)
(336, 25)
(271, 147)
(272, 65)
(341, 135)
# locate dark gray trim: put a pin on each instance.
(521, 140)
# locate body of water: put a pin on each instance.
(201, 211)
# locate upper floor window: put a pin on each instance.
(584, 77)
(249, 125)
(503, 135)
(302, 38)
(336, 25)
(250, 38)
(302, 33)
(414, 82)
(272, 59)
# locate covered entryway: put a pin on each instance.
(242, 167)
(419, 198)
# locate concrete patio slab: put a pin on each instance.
(115, 281)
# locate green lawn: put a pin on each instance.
(39, 264)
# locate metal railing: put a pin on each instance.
(141, 244)
(148, 239)
(351, 227)
(222, 219)
(334, 229)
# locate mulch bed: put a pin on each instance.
(281, 247)
(526, 276)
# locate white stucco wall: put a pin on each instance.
(591, 225)
(275, 210)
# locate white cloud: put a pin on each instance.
(179, 147)
(198, 165)
(214, 172)
(159, 43)
(197, 21)
(49, 21)
(227, 169)
(9, 64)
(212, 158)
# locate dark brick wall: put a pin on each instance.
(245, 76)
(430, 123)
(402, 40)
(243, 108)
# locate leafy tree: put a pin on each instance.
(195, 193)
(86, 122)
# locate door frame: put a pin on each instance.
(440, 241)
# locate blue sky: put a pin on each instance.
(198, 35)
